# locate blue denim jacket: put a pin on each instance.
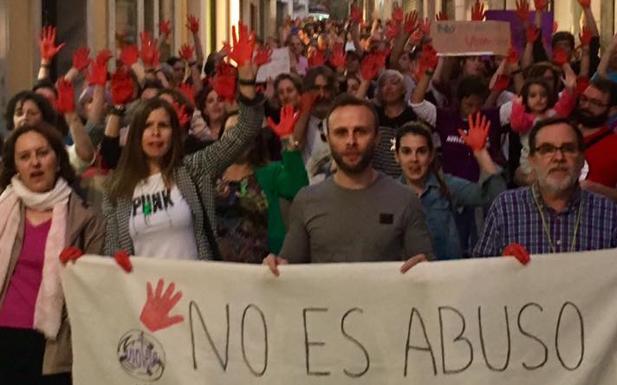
(439, 210)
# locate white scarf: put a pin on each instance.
(50, 299)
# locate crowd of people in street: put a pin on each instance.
(373, 147)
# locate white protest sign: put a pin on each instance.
(279, 64)
(490, 321)
(471, 38)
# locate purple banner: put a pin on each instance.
(519, 35)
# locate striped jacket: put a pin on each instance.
(196, 181)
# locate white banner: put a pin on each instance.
(490, 321)
(279, 64)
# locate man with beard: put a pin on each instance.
(359, 214)
(310, 129)
(554, 214)
(600, 170)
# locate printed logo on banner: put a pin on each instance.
(141, 355)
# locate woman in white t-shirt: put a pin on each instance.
(160, 203)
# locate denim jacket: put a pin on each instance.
(439, 209)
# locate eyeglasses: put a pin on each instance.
(566, 149)
(593, 102)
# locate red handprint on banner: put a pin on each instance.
(155, 313)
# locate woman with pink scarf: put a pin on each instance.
(40, 216)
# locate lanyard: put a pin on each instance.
(547, 230)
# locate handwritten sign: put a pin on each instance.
(279, 64)
(489, 321)
(471, 38)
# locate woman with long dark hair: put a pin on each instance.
(442, 194)
(160, 203)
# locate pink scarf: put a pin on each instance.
(50, 299)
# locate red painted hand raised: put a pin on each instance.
(477, 11)
(129, 55)
(165, 28)
(47, 43)
(186, 52)
(476, 136)
(411, 22)
(192, 23)
(224, 82)
(121, 87)
(286, 125)
(155, 313)
(243, 45)
(81, 59)
(522, 10)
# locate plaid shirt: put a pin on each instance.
(515, 217)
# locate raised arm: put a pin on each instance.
(48, 49)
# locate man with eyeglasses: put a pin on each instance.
(554, 214)
(310, 130)
(592, 112)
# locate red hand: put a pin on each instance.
(501, 83)
(155, 313)
(243, 45)
(532, 34)
(98, 74)
(317, 58)
(122, 87)
(192, 23)
(397, 14)
(392, 30)
(429, 59)
(81, 61)
(518, 251)
(411, 22)
(560, 57)
(338, 58)
(585, 3)
(224, 82)
(149, 50)
(585, 36)
(355, 14)
(286, 125)
(129, 55)
(70, 253)
(540, 4)
(441, 16)
(555, 26)
(477, 11)
(582, 82)
(165, 28)
(425, 27)
(123, 260)
(512, 56)
(475, 138)
(369, 68)
(262, 56)
(522, 10)
(186, 52)
(307, 100)
(103, 57)
(47, 43)
(187, 90)
(183, 116)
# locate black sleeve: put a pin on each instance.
(110, 151)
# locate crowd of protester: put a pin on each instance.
(372, 148)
